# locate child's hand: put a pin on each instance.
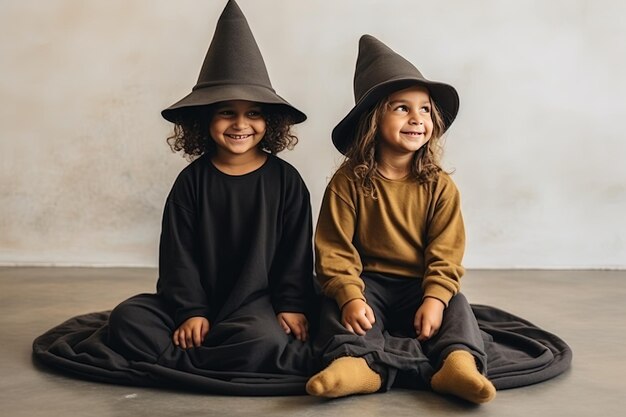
(428, 318)
(357, 316)
(191, 333)
(295, 323)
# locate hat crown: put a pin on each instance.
(377, 64)
(233, 56)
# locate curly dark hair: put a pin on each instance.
(361, 154)
(191, 132)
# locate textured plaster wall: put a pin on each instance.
(538, 146)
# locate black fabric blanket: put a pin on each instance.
(519, 353)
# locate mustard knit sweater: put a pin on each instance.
(411, 230)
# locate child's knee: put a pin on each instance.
(119, 319)
(459, 303)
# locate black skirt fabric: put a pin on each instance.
(518, 354)
(80, 347)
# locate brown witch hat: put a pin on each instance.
(380, 72)
(233, 69)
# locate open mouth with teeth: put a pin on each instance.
(415, 134)
(239, 137)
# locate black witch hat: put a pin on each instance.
(380, 72)
(233, 69)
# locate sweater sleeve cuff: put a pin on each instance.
(440, 293)
(348, 293)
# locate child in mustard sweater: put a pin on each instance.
(390, 241)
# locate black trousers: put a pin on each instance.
(391, 347)
(250, 340)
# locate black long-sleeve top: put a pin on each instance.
(226, 240)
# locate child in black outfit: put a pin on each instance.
(235, 260)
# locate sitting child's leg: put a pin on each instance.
(344, 376)
(461, 352)
(342, 352)
(140, 328)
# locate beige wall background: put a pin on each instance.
(538, 148)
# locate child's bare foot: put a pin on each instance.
(459, 376)
(344, 376)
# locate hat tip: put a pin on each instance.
(232, 6)
(370, 42)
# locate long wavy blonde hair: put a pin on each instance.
(361, 154)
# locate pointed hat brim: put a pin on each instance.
(233, 69)
(380, 72)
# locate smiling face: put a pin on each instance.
(237, 127)
(407, 124)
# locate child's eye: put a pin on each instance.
(425, 109)
(226, 113)
(401, 108)
(254, 114)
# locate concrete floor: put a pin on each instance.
(586, 308)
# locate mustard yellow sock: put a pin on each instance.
(459, 376)
(344, 376)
